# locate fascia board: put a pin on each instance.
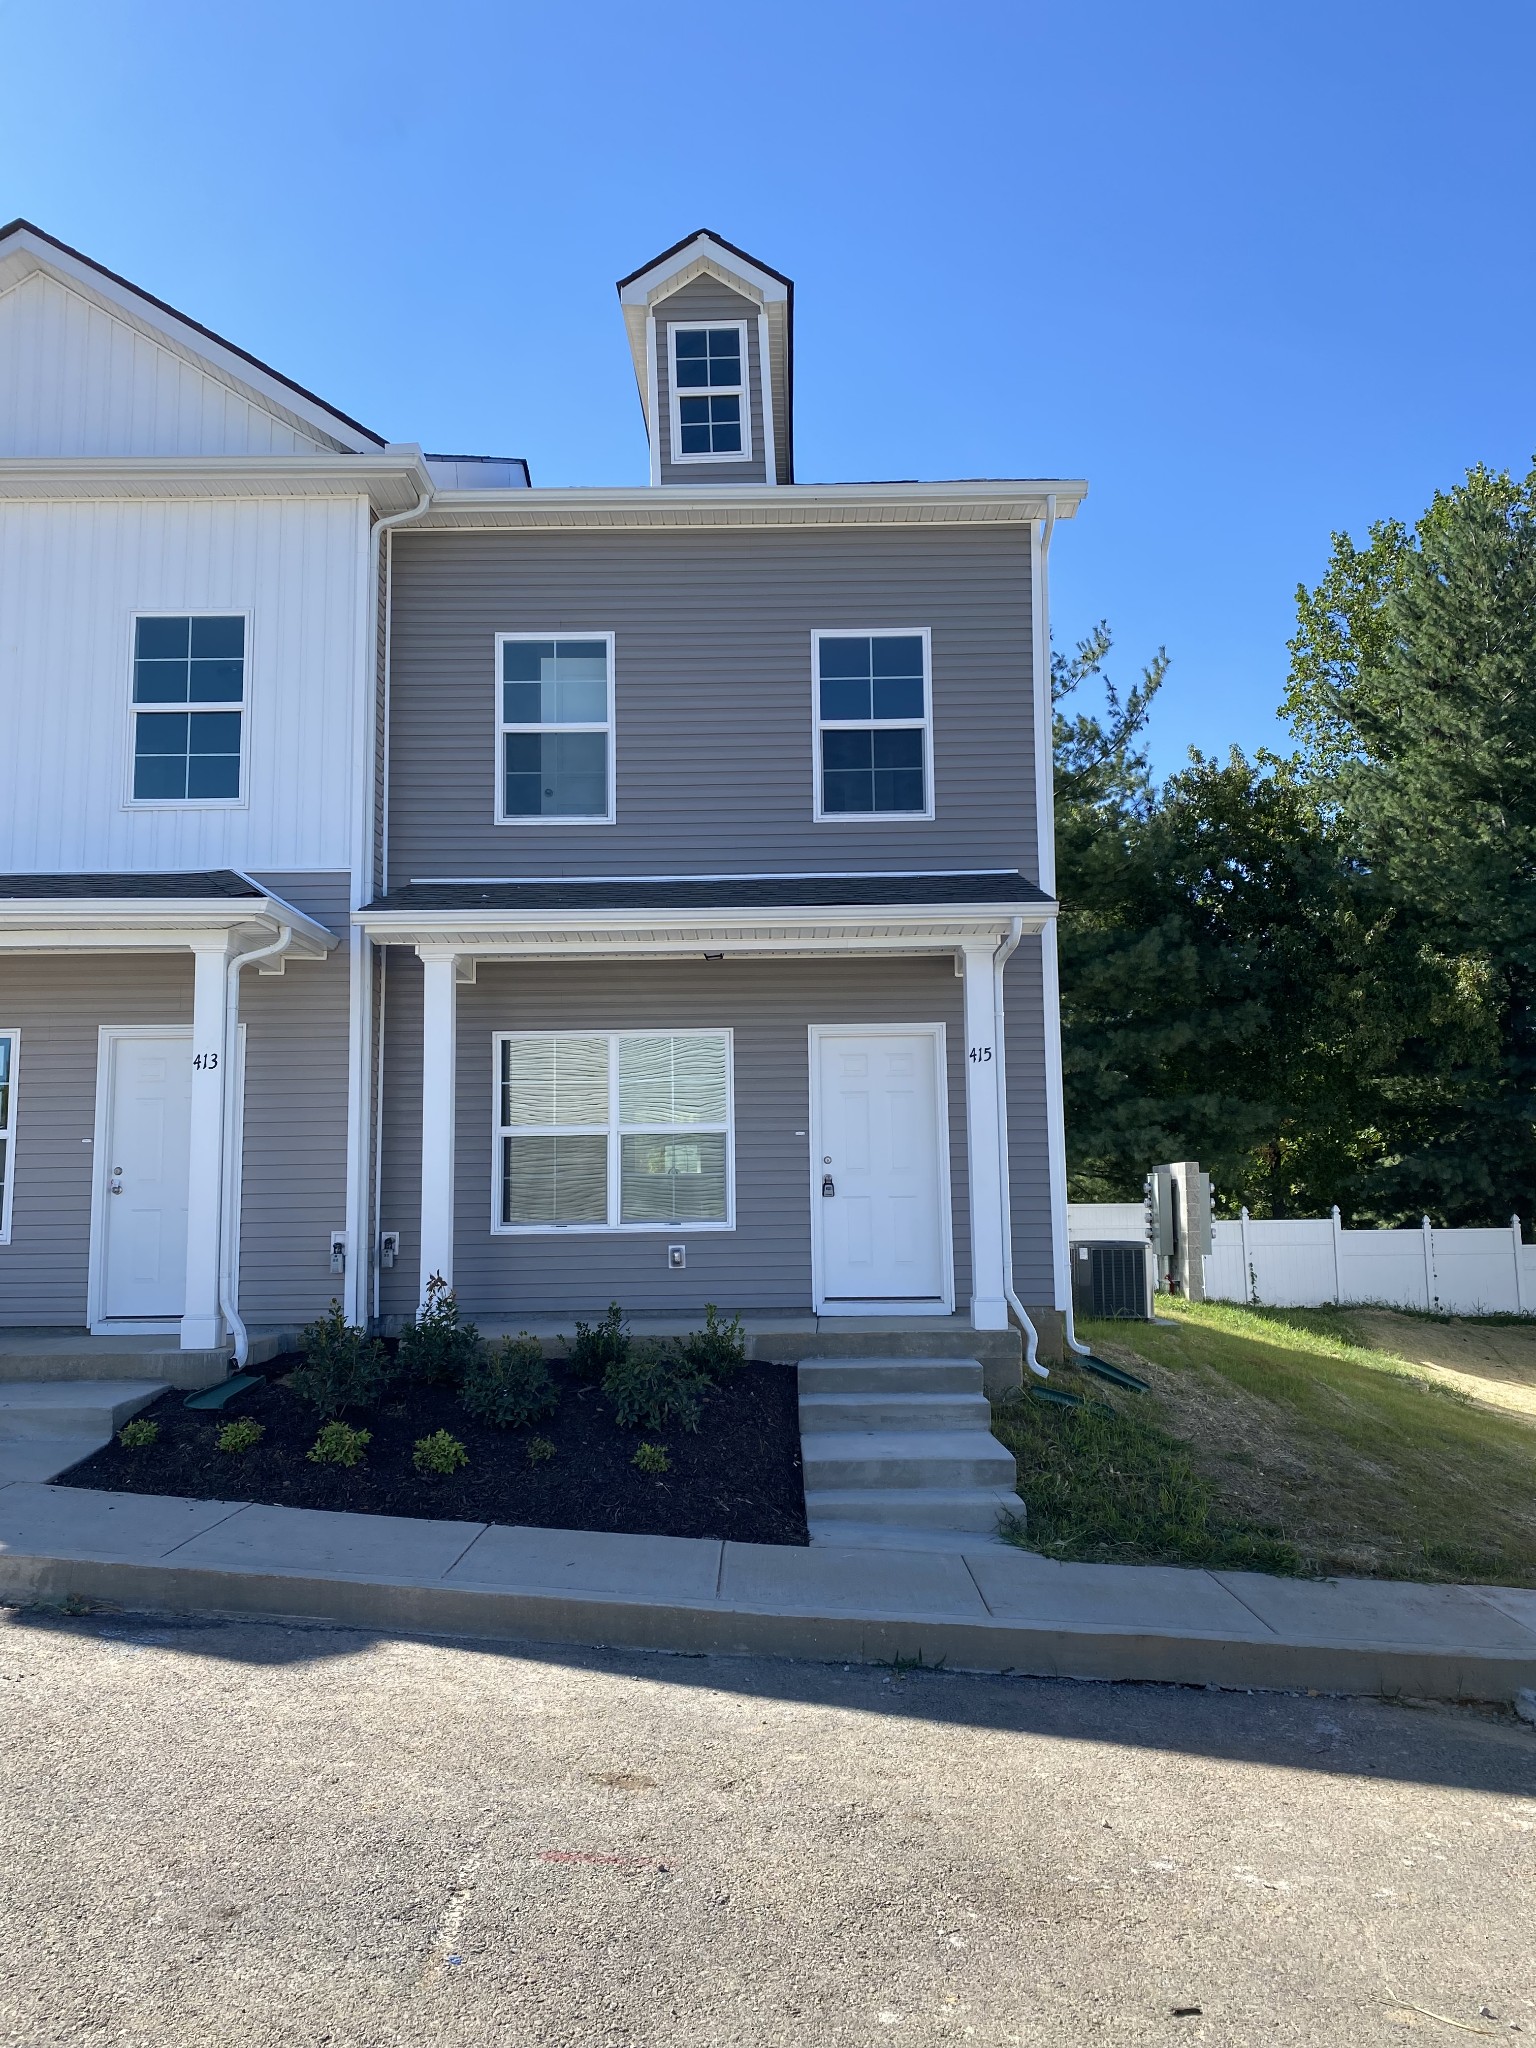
(776, 504)
(391, 481)
(648, 285)
(30, 923)
(188, 339)
(917, 927)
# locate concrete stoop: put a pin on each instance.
(48, 1425)
(901, 1447)
(33, 1355)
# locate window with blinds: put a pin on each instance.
(621, 1130)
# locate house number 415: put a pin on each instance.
(205, 1062)
(981, 1054)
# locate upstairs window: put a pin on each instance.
(188, 709)
(555, 711)
(874, 753)
(613, 1130)
(9, 1044)
(709, 394)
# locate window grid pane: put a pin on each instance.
(555, 702)
(871, 698)
(190, 755)
(568, 1110)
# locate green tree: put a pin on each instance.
(1413, 695)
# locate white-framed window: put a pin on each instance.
(613, 1130)
(189, 705)
(711, 419)
(10, 1055)
(554, 713)
(872, 697)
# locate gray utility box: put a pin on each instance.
(1111, 1280)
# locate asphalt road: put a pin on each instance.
(226, 1834)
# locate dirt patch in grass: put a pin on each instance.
(737, 1478)
(1359, 1461)
(1492, 1364)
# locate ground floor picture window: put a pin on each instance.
(613, 1130)
(7, 1128)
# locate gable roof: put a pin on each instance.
(26, 249)
(704, 253)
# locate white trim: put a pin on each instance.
(765, 387)
(652, 423)
(392, 482)
(747, 875)
(986, 1156)
(439, 1091)
(97, 1322)
(819, 725)
(12, 1032)
(648, 284)
(741, 392)
(179, 804)
(581, 507)
(920, 1306)
(609, 727)
(615, 1132)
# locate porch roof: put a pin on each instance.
(890, 912)
(148, 911)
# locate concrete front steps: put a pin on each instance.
(899, 1453)
(48, 1425)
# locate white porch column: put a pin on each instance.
(439, 1012)
(983, 1063)
(202, 1321)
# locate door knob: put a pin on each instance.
(826, 1185)
(116, 1188)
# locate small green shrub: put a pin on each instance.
(511, 1386)
(652, 1458)
(242, 1435)
(716, 1350)
(539, 1450)
(652, 1386)
(138, 1436)
(597, 1346)
(344, 1368)
(438, 1349)
(439, 1453)
(339, 1444)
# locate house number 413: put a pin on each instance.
(981, 1054)
(205, 1062)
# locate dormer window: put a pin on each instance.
(709, 394)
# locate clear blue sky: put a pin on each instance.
(1255, 272)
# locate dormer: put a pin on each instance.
(712, 334)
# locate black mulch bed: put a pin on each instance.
(738, 1478)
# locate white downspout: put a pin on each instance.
(1000, 959)
(229, 1280)
(1050, 976)
(362, 1281)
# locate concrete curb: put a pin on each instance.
(1257, 1656)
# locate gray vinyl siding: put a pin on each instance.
(294, 1161)
(714, 744)
(59, 1002)
(769, 1005)
(294, 1140)
(1029, 1179)
(697, 303)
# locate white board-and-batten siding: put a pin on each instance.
(72, 577)
(76, 380)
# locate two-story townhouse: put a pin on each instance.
(717, 831)
(189, 690)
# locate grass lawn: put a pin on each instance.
(1283, 1440)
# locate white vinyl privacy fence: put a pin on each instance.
(1306, 1262)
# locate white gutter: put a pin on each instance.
(362, 1083)
(1050, 972)
(229, 1234)
(1000, 959)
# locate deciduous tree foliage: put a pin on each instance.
(1317, 975)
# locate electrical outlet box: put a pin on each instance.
(338, 1251)
(389, 1247)
(677, 1257)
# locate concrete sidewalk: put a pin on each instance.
(988, 1609)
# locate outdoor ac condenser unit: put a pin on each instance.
(1111, 1280)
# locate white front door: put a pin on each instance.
(143, 1177)
(879, 1189)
